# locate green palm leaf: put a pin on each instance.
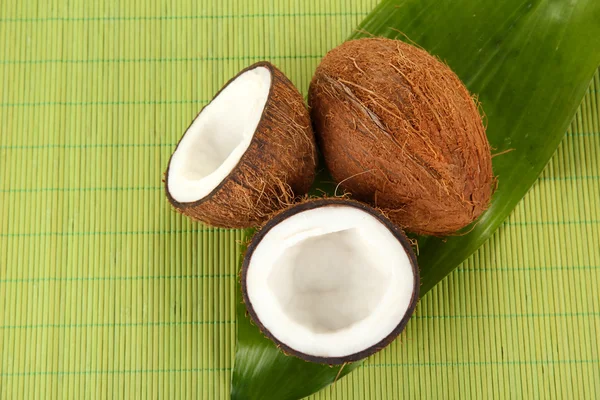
(530, 63)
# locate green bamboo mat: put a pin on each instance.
(107, 293)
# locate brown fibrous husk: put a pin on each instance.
(278, 166)
(400, 130)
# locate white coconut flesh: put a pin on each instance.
(330, 281)
(218, 138)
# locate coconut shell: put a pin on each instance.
(309, 204)
(278, 165)
(398, 129)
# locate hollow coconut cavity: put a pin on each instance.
(215, 142)
(330, 281)
(246, 155)
(398, 129)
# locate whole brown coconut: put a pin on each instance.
(399, 129)
(248, 153)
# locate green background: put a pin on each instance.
(106, 292)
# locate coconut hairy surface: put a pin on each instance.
(330, 280)
(247, 154)
(398, 129)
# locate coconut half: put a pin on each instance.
(247, 154)
(330, 281)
